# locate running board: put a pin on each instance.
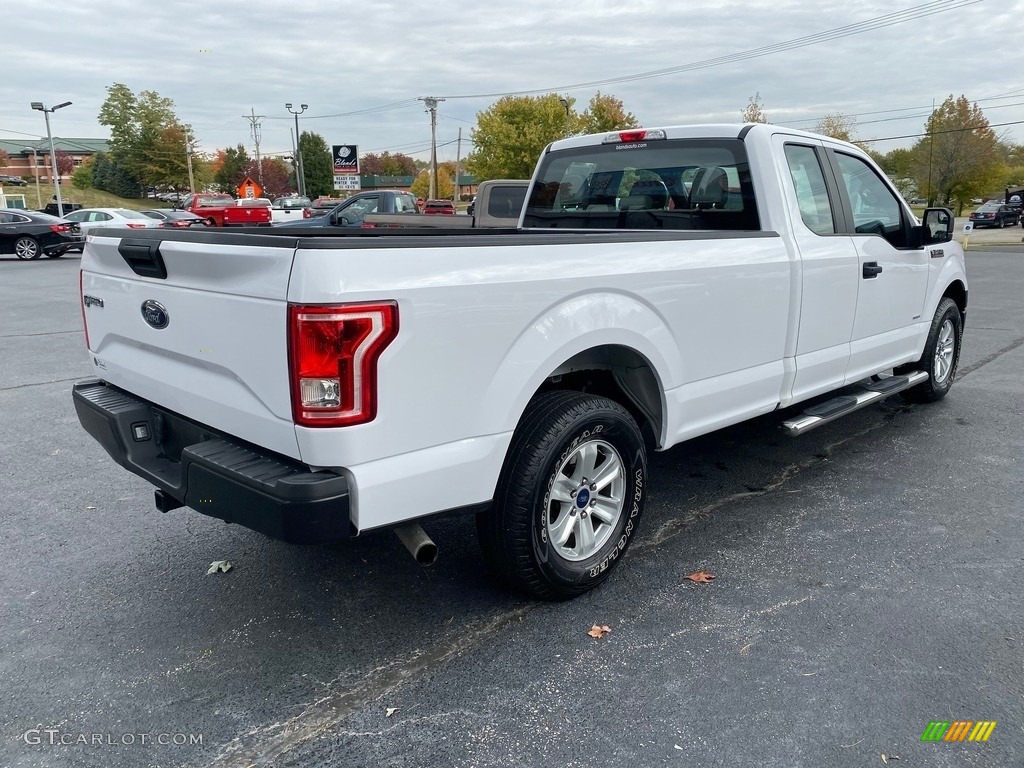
(848, 403)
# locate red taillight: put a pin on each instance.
(81, 302)
(307, 213)
(134, 225)
(60, 227)
(333, 353)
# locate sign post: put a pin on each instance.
(968, 228)
(346, 167)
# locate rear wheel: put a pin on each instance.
(569, 498)
(27, 248)
(941, 355)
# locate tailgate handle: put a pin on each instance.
(143, 256)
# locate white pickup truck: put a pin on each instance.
(662, 283)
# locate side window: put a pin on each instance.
(811, 192)
(876, 211)
(6, 218)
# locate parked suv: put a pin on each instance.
(995, 214)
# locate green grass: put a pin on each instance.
(88, 198)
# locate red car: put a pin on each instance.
(446, 207)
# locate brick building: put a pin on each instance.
(20, 154)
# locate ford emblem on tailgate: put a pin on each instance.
(155, 313)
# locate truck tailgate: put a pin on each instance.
(221, 357)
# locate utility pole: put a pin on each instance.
(300, 173)
(431, 104)
(38, 105)
(257, 133)
(458, 158)
(188, 159)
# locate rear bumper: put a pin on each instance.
(193, 466)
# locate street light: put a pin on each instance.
(300, 180)
(565, 103)
(38, 106)
(35, 172)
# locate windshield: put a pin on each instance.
(655, 184)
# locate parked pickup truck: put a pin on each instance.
(350, 211)
(663, 283)
(222, 210)
(498, 204)
(289, 209)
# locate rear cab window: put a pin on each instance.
(688, 184)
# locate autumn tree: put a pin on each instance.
(510, 134)
(81, 178)
(65, 163)
(898, 165)
(277, 176)
(445, 178)
(603, 113)
(147, 141)
(386, 164)
(232, 164)
(754, 111)
(4, 159)
(837, 125)
(317, 168)
(958, 159)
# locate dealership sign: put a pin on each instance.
(346, 166)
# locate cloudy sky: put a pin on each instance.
(361, 66)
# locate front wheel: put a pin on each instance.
(27, 248)
(941, 355)
(569, 498)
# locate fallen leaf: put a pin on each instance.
(745, 650)
(701, 577)
(223, 566)
(885, 760)
(390, 711)
(597, 632)
(54, 453)
(677, 746)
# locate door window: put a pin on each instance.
(876, 210)
(811, 192)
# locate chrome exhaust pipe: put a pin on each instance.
(420, 545)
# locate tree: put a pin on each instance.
(4, 159)
(898, 165)
(147, 141)
(510, 134)
(445, 178)
(82, 176)
(837, 125)
(386, 164)
(277, 177)
(317, 168)
(754, 111)
(604, 113)
(958, 159)
(65, 163)
(232, 165)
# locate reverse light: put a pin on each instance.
(332, 360)
(629, 137)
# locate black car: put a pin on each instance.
(51, 208)
(16, 181)
(175, 219)
(30, 234)
(994, 214)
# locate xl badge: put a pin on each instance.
(155, 314)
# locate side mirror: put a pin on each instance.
(937, 226)
(333, 219)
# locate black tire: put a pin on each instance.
(941, 355)
(1002, 223)
(27, 248)
(560, 433)
(56, 254)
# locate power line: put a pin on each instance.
(878, 22)
(938, 133)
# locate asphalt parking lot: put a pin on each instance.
(868, 583)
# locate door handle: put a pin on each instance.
(871, 270)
